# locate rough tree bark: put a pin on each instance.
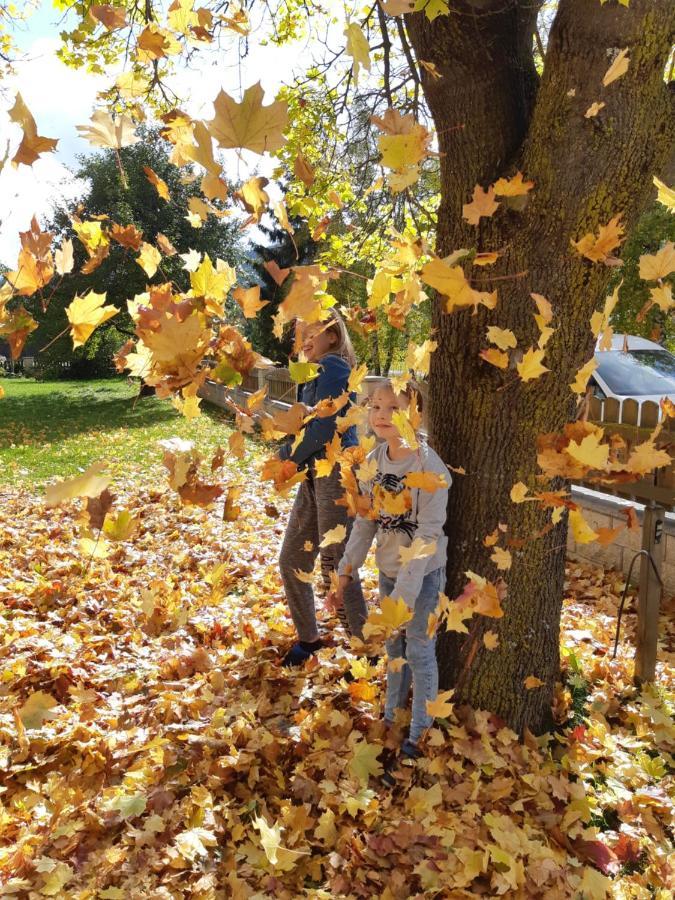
(493, 116)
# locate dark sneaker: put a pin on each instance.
(300, 652)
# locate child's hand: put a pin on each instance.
(335, 599)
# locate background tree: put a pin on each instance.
(634, 314)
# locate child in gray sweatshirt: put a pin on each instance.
(409, 493)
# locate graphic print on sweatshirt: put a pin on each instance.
(392, 502)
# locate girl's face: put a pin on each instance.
(383, 404)
(317, 341)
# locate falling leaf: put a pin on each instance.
(518, 492)
(391, 615)
(110, 16)
(304, 171)
(104, 131)
(581, 530)
(482, 205)
(149, 259)
(531, 365)
(662, 297)
(90, 484)
(512, 187)
(490, 640)
(618, 67)
(32, 144)
(418, 549)
(333, 536)
(495, 358)
(578, 386)
(302, 372)
(532, 682)
(593, 110)
(357, 48)
(597, 248)
(85, 314)
(63, 258)
(253, 196)
(451, 281)
(590, 452)
(249, 300)
(249, 125)
(157, 182)
(665, 195)
(440, 707)
(654, 266)
(37, 710)
(501, 558)
(501, 337)
(426, 481)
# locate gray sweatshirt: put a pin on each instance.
(401, 515)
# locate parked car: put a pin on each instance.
(634, 368)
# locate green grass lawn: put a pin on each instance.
(57, 428)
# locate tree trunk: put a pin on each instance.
(492, 118)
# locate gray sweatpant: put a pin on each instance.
(313, 514)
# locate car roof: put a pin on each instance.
(634, 343)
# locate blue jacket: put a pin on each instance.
(330, 383)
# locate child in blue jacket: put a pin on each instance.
(315, 510)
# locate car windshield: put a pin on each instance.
(637, 372)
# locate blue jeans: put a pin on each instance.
(419, 650)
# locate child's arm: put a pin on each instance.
(431, 516)
(355, 552)
(331, 383)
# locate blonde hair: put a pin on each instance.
(412, 389)
(334, 324)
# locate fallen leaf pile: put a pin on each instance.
(151, 746)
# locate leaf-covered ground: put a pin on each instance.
(150, 745)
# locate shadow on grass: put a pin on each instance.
(67, 411)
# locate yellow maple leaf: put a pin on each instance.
(440, 707)
(254, 197)
(85, 314)
(450, 281)
(662, 296)
(270, 839)
(501, 337)
(490, 640)
(501, 558)
(32, 144)
(418, 356)
(333, 536)
(454, 614)
(357, 48)
(645, 457)
(531, 365)
(518, 492)
(119, 526)
(249, 300)
(364, 760)
(63, 258)
(482, 205)
(149, 259)
(590, 452)
(400, 419)
(532, 682)
(495, 357)
(654, 266)
(544, 309)
(426, 481)
(581, 530)
(90, 484)
(512, 187)
(159, 183)
(593, 110)
(597, 248)
(618, 67)
(356, 377)
(578, 386)
(37, 709)
(418, 549)
(389, 617)
(249, 125)
(104, 131)
(212, 284)
(665, 195)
